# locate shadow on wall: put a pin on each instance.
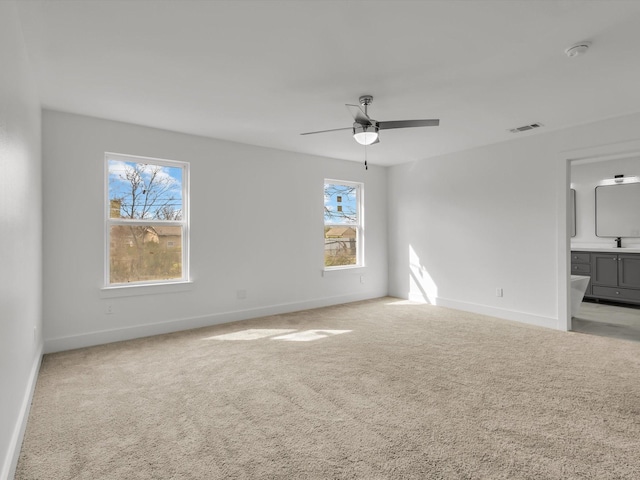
(422, 288)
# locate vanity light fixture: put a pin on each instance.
(619, 179)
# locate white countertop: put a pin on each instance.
(585, 247)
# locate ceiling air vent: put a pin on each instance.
(525, 128)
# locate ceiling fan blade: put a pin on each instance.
(358, 115)
(408, 124)
(325, 131)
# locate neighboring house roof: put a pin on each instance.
(154, 234)
(341, 232)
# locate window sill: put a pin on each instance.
(347, 268)
(147, 289)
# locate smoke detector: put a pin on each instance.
(577, 49)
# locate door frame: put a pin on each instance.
(599, 153)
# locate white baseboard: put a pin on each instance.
(522, 317)
(11, 459)
(59, 344)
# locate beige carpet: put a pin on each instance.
(372, 390)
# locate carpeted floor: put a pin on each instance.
(381, 389)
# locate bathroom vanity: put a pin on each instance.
(614, 272)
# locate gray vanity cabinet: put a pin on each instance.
(605, 269)
(581, 265)
(629, 271)
(616, 276)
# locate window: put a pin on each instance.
(147, 230)
(343, 232)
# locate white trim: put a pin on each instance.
(137, 331)
(184, 223)
(142, 223)
(513, 315)
(137, 289)
(15, 443)
(563, 258)
(124, 157)
(359, 226)
(343, 268)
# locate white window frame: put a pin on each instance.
(359, 226)
(109, 222)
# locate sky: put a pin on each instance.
(169, 179)
(337, 196)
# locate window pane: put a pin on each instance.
(340, 204)
(340, 246)
(145, 253)
(143, 191)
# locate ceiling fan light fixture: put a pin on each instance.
(365, 134)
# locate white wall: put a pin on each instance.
(585, 177)
(247, 205)
(20, 237)
(464, 224)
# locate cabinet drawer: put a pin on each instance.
(580, 257)
(617, 293)
(577, 268)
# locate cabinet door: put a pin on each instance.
(605, 269)
(629, 271)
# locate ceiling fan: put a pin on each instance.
(365, 129)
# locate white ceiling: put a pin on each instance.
(263, 71)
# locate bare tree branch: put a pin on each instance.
(149, 194)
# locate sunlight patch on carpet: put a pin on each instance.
(309, 335)
(286, 334)
(252, 334)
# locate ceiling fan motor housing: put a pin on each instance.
(366, 100)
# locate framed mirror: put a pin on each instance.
(618, 210)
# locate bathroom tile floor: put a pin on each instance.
(608, 321)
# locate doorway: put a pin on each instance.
(598, 315)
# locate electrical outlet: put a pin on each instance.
(498, 292)
(241, 294)
(109, 309)
(362, 279)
